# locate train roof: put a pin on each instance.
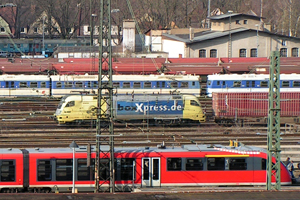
(250, 76)
(151, 77)
(22, 77)
(10, 151)
(158, 149)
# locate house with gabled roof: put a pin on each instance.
(231, 35)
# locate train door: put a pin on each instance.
(150, 172)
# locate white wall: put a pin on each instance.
(174, 48)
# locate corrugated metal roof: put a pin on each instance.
(227, 15)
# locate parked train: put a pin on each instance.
(51, 169)
(250, 83)
(156, 109)
(61, 85)
(237, 107)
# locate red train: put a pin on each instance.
(232, 107)
(50, 169)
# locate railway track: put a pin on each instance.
(26, 123)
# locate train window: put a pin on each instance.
(208, 82)
(68, 84)
(174, 84)
(263, 164)
(237, 164)
(296, 83)
(194, 103)
(264, 84)
(163, 84)
(70, 104)
(174, 164)
(8, 170)
(64, 169)
(58, 85)
(78, 84)
(193, 83)
(33, 84)
(147, 84)
(126, 84)
(218, 82)
(250, 83)
(184, 85)
(95, 84)
(193, 164)
(84, 172)
(44, 170)
(285, 83)
(136, 84)
(124, 168)
(215, 163)
(116, 84)
(237, 84)
(43, 84)
(104, 169)
(23, 84)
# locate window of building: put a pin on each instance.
(237, 164)
(215, 163)
(7, 170)
(253, 53)
(202, 53)
(22, 30)
(295, 52)
(2, 29)
(283, 42)
(193, 164)
(174, 164)
(237, 21)
(35, 30)
(147, 84)
(64, 169)
(213, 53)
(44, 170)
(283, 52)
(245, 21)
(243, 52)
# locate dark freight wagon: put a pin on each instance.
(234, 107)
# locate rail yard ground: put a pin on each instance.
(28, 123)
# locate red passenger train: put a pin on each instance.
(51, 169)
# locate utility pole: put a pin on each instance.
(105, 102)
(273, 140)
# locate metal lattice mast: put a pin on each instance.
(105, 102)
(273, 141)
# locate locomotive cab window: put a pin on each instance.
(174, 164)
(194, 103)
(70, 104)
(8, 170)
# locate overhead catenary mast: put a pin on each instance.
(104, 103)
